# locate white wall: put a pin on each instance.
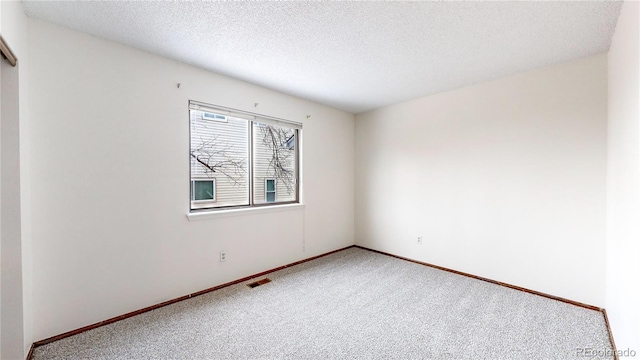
(623, 182)
(1, 323)
(16, 319)
(12, 303)
(110, 232)
(505, 179)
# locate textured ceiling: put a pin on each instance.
(354, 56)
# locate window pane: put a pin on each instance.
(203, 190)
(274, 157)
(271, 186)
(271, 197)
(219, 150)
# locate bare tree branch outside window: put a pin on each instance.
(282, 163)
(216, 156)
(219, 157)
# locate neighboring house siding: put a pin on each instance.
(229, 141)
(232, 137)
(262, 158)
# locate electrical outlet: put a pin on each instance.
(223, 256)
(419, 240)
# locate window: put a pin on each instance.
(291, 142)
(203, 190)
(214, 117)
(241, 159)
(270, 190)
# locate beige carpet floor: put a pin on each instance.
(353, 304)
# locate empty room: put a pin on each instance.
(304, 180)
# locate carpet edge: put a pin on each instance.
(169, 302)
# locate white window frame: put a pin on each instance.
(252, 118)
(275, 191)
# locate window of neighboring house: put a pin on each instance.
(244, 159)
(270, 190)
(214, 117)
(203, 190)
(291, 142)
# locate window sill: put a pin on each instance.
(215, 214)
